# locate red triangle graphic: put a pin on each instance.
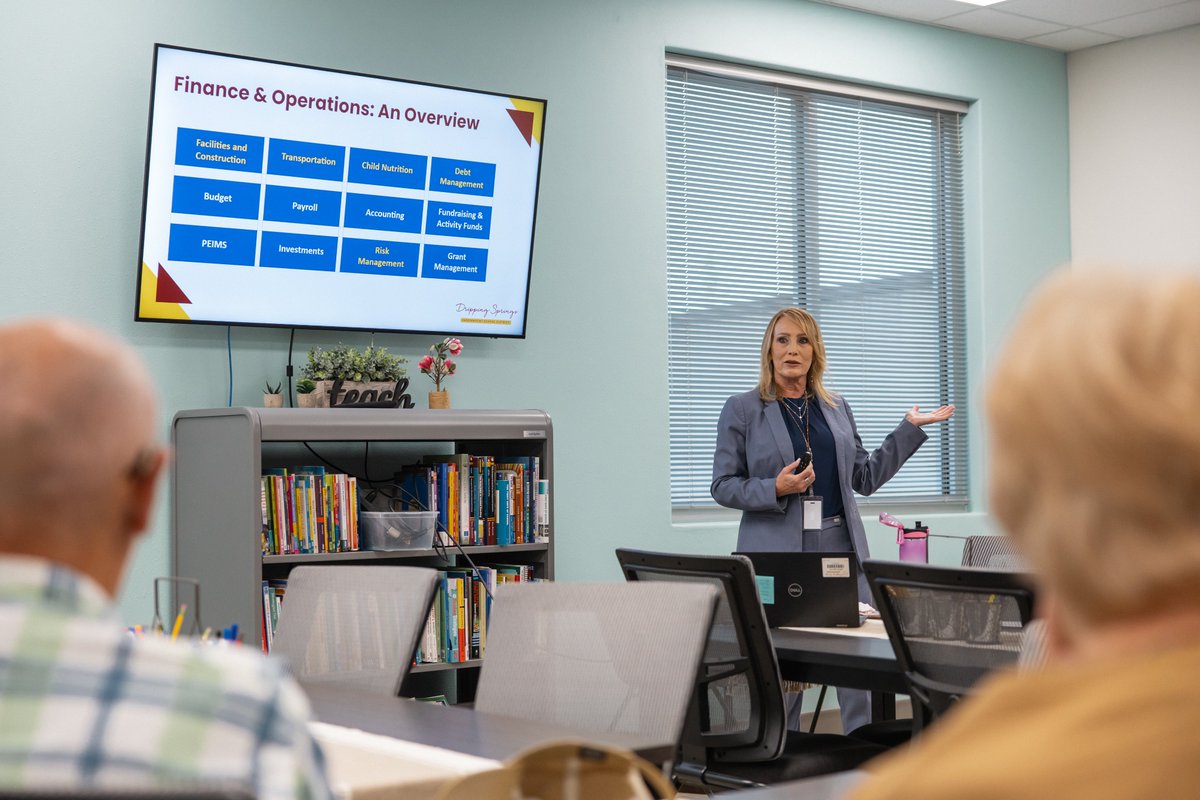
(168, 289)
(524, 123)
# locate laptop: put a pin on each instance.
(808, 590)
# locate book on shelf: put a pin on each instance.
(504, 516)
(543, 511)
(307, 510)
(273, 592)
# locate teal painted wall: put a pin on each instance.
(74, 88)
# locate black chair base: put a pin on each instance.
(889, 734)
(807, 755)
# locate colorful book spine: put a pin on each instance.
(504, 517)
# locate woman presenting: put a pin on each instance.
(790, 438)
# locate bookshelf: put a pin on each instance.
(216, 506)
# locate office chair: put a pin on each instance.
(949, 626)
(596, 657)
(355, 626)
(736, 736)
(991, 552)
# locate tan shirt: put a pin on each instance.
(1125, 727)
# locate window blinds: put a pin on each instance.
(847, 205)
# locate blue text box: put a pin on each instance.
(217, 150)
(456, 219)
(381, 168)
(298, 251)
(454, 263)
(377, 213)
(214, 198)
(306, 206)
(325, 162)
(462, 177)
(209, 245)
(380, 257)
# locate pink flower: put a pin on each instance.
(437, 364)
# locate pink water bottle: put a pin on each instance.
(913, 542)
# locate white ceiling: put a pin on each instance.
(1057, 24)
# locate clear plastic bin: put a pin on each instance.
(397, 530)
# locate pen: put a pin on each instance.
(178, 621)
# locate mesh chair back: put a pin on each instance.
(739, 709)
(610, 657)
(991, 552)
(949, 626)
(356, 626)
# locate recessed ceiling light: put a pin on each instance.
(980, 2)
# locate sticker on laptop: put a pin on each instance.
(835, 567)
(766, 589)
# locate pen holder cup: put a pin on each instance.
(946, 618)
(913, 613)
(981, 621)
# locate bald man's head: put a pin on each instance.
(77, 424)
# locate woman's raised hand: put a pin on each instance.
(918, 417)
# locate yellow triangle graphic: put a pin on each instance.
(148, 307)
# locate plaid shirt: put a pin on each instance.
(83, 703)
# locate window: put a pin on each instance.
(846, 201)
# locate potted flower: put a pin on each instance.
(272, 398)
(306, 393)
(346, 376)
(439, 367)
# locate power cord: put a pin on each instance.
(377, 487)
(229, 353)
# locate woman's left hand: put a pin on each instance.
(918, 417)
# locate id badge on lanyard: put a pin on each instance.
(812, 512)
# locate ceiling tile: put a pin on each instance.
(919, 10)
(996, 23)
(1179, 15)
(1072, 39)
(1080, 13)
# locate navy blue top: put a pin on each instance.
(820, 439)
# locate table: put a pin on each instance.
(842, 659)
(462, 730)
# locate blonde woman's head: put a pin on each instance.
(767, 385)
(1094, 411)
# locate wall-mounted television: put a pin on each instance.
(294, 196)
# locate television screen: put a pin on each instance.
(293, 196)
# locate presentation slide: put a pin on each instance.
(295, 196)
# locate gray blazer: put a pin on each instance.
(753, 446)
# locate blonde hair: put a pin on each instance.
(1094, 410)
(816, 371)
